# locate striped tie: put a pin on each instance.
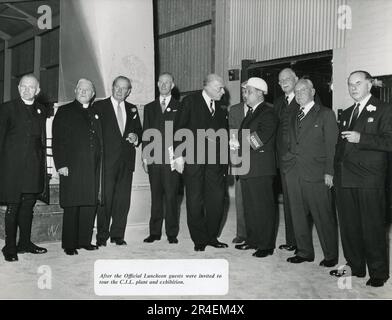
(301, 114)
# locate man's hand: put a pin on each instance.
(351, 136)
(328, 180)
(63, 171)
(234, 143)
(179, 164)
(145, 166)
(132, 138)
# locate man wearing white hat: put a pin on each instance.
(257, 183)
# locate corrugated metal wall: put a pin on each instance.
(187, 55)
(270, 29)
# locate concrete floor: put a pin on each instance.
(249, 277)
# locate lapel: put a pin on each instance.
(309, 120)
(131, 112)
(239, 113)
(293, 121)
(246, 123)
(206, 108)
(112, 115)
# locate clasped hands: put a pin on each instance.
(351, 136)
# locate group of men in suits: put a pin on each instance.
(314, 155)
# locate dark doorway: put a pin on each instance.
(316, 67)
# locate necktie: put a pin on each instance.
(212, 107)
(249, 112)
(354, 117)
(120, 119)
(163, 105)
(301, 114)
(287, 100)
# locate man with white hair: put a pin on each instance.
(204, 181)
(78, 155)
(308, 170)
(257, 184)
(22, 165)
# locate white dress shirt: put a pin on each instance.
(122, 107)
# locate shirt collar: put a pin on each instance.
(306, 108)
(167, 99)
(290, 96)
(207, 98)
(115, 102)
(28, 102)
(363, 103)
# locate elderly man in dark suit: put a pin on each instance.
(164, 182)
(237, 114)
(204, 179)
(78, 155)
(308, 169)
(22, 165)
(122, 134)
(283, 105)
(361, 167)
(257, 184)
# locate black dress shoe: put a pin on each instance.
(119, 242)
(71, 252)
(172, 239)
(152, 238)
(217, 244)
(298, 259)
(373, 282)
(343, 271)
(238, 240)
(244, 246)
(200, 247)
(10, 257)
(263, 253)
(101, 243)
(89, 247)
(287, 247)
(329, 263)
(32, 249)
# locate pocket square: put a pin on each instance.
(370, 119)
(134, 117)
(316, 125)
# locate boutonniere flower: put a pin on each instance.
(96, 117)
(39, 111)
(131, 138)
(370, 119)
(168, 109)
(371, 108)
(133, 109)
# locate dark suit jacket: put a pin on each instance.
(195, 115)
(116, 147)
(14, 138)
(153, 118)
(282, 111)
(364, 165)
(262, 161)
(72, 148)
(311, 144)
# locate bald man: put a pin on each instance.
(78, 154)
(204, 179)
(22, 165)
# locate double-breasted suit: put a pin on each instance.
(119, 158)
(163, 181)
(257, 184)
(310, 154)
(22, 167)
(360, 178)
(78, 145)
(204, 179)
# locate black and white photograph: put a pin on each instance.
(215, 151)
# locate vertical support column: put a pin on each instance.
(7, 71)
(37, 56)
